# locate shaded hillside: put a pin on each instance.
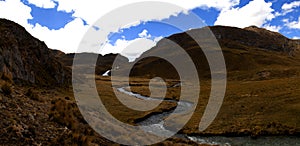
(27, 59)
(247, 52)
(103, 64)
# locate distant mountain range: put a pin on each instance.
(25, 58)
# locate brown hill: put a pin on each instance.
(27, 59)
(247, 52)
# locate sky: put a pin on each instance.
(61, 24)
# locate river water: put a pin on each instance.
(155, 124)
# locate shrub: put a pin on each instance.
(65, 113)
(6, 88)
(32, 95)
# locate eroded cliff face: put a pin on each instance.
(27, 59)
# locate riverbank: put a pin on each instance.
(250, 108)
(273, 133)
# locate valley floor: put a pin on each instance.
(257, 108)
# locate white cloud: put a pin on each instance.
(132, 49)
(290, 6)
(16, 11)
(285, 20)
(158, 39)
(257, 12)
(67, 38)
(296, 37)
(43, 3)
(272, 28)
(91, 10)
(144, 34)
(294, 24)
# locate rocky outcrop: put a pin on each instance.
(27, 59)
(254, 37)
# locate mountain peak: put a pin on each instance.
(253, 37)
(263, 31)
(252, 27)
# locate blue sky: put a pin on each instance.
(55, 20)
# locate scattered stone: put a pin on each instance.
(19, 108)
(31, 117)
(67, 98)
(3, 99)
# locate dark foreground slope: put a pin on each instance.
(36, 104)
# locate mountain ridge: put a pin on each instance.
(230, 38)
(246, 49)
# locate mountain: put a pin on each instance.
(247, 52)
(26, 59)
(263, 69)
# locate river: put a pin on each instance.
(155, 125)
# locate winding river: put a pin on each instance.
(157, 126)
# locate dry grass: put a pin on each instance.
(267, 107)
(33, 95)
(251, 107)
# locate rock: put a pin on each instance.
(67, 98)
(3, 99)
(31, 117)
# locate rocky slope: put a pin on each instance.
(27, 59)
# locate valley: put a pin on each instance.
(261, 103)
